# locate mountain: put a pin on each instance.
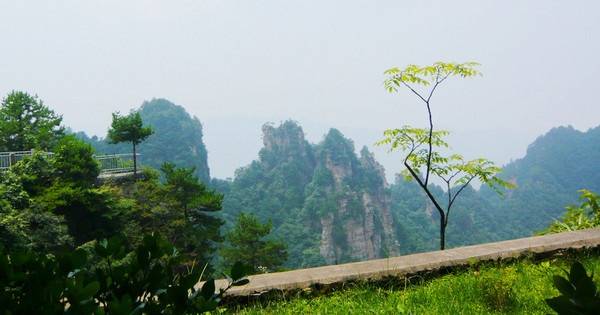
(555, 167)
(332, 205)
(177, 138)
(327, 203)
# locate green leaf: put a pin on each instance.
(239, 270)
(564, 286)
(208, 289)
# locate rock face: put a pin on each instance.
(330, 205)
(354, 211)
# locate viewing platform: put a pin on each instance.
(111, 165)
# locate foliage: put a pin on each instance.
(422, 146)
(584, 216)
(517, 287)
(248, 241)
(431, 75)
(578, 293)
(74, 161)
(129, 128)
(181, 209)
(109, 279)
(26, 123)
(52, 202)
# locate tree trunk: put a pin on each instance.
(442, 233)
(134, 161)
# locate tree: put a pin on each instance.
(129, 128)
(26, 123)
(423, 146)
(246, 241)
(180, 208)
(74, 161)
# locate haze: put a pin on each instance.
(239, 64)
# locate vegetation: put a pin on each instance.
(107, 278)
(129, 128)
(422, 146)
(584, 216)
(556, 166)
(51, 202)
(578, 293)
(55, 217)
(492, 288)
(301, 187)
(247, 241)
(54, 210)
(26, 123)
(275, 186)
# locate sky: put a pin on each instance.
(239, 64)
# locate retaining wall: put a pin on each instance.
(404, 266)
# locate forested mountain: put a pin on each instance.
(331, 205)
(177, 138)
(556, 166)
(328, 204)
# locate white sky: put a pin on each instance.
(239, 64)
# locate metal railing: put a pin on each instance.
(116, 163)
(8, 159)
(109, 163)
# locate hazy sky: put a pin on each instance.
(239, 64)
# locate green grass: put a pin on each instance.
(492, 288)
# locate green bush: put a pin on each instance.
(107, 278)
(578, 293)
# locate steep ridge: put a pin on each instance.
(329, 205)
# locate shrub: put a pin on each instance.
(107, 279)
(578, 293)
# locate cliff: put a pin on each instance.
(327, 203)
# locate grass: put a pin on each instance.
(518, 287)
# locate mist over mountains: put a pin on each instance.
(331, 204)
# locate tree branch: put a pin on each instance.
(429, 194)
(456, 195)
(413, 90)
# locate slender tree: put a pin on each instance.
(424, 159)
(129, 128)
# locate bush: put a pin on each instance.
(107, 279)
(578, 293)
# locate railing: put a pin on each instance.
(8, 159)
(116, 163)
(109, 163)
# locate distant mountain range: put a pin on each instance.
(331, 205)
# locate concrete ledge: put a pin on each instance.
(412, 264)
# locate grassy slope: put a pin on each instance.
(514, 288)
